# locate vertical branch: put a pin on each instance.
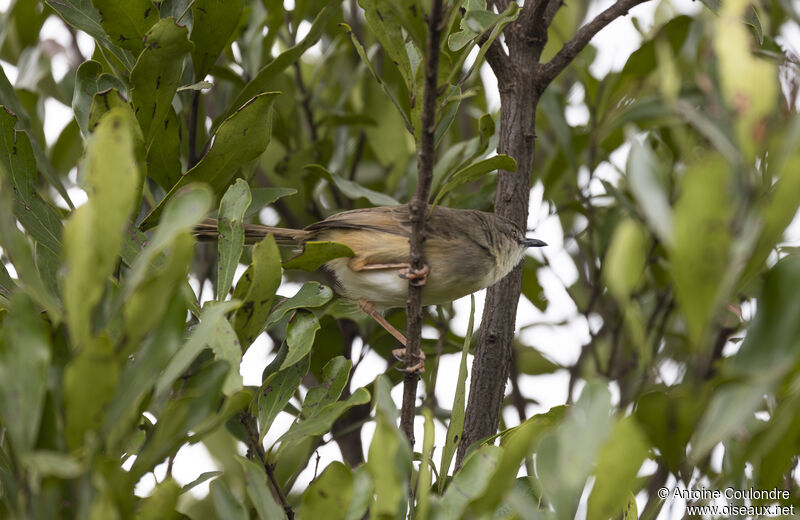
(418, 209)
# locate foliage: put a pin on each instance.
(111, 361)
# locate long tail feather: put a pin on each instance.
(207, 231)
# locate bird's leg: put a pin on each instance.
(399, 353)
(369, 309)
(416, 277)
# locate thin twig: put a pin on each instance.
(564, 57)
(248, 421)
(418, 212)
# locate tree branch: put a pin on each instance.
(418, 212)
(564, 57)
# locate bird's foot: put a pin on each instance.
(369, 308)
(417, 368)
(417, 277)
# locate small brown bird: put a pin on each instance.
(465, 251)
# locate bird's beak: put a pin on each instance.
(532, 242)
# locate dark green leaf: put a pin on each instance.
(199, 400)
(329, 495)
(256, 289)
(18, 165)
(322, 421)
(456, 425)
(231, 234)
(618, 463)
(259, 493)
(276, 391)
(226, 504)
(311, 295)
(24, 360)
(213, 25)
(157, 74)
(335, 375)
(239, 139)
(127, 22)
(269, 72)
(700, 256)
(316, 253)
(475, 172)
(352, 189)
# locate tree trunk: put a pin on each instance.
(490, 367)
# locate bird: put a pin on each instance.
(465, 250)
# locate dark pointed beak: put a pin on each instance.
(532, 242)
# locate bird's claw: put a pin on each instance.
(417, 277)
(417, 368)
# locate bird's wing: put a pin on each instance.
(388, 219)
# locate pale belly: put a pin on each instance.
(386, 289)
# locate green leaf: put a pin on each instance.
(127, 22)
(389, 458)
(163, 156)
(144, 307)
(321, 422)
(517, 443)
(9, 98)
(89, 382)
(269, 72)
(256, 289)
(618, 463)
(352, 189)
(644, 172)
(154, 351)
(94, 233)
(386, 26)
(471, 481)
(231, 234)
(263, 197)
(310, 295)
(182, 214)
(157, 74)
(199, 338)
(335, 375)
(700, 256)
(362, 53)
(82, 15)
(566, 455)
(531, 288)
(17, 249)
(456, 425)
(213, 26)
(532, 362)
(475, 172)
(329, 495)
(225, 345)
(669, 417)
(199, 399)
(226, 505)
(24, 360)
(18, 165)
(259, 493)
(625, 261)
(276, 391)
(768, 353)
(161, 504)
(316, 253)
(89, 80)
(239, 139)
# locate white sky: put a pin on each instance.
(560, 343)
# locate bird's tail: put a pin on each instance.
(207, 231)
